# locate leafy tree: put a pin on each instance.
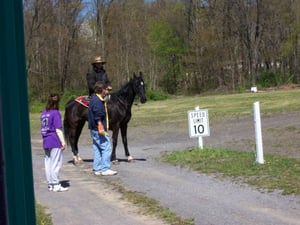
(169, 46)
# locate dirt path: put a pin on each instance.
(191, 195)
(89, 201)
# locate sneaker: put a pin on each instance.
(59, 188)
(109, 173)
(50, 187)
(98, 173)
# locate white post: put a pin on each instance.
(258, 136)
(200, 142)
(200, 139)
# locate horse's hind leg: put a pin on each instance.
(76, 158)
(74, 147)
(125, 144)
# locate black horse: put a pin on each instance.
(119, 112)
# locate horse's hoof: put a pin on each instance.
(77, 160)
(130, 158)
(115, 162)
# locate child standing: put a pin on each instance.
(53, 142)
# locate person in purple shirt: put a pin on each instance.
(53, 142)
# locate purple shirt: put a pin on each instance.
(50, 121)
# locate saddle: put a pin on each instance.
(83, 100)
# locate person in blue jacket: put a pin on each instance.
(98, 125)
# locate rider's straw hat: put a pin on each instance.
(98, 59)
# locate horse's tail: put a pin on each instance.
(66, 123)
(66, 129)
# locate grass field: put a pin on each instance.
(277, 173)
(219, 106)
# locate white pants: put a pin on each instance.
(53, 163)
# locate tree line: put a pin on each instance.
(181, 46)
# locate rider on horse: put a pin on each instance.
(97, 73)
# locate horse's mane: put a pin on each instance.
(124, 88)
(122, 92)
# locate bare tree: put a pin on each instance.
(231, 43)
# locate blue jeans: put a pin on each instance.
(102, 151)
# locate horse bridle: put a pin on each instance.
(136, 87)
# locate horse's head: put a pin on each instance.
(139, 87)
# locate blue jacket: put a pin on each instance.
(96, 113)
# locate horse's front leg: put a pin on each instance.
(125, 143)
(115, 133)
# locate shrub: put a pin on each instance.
(156, 95)
(271, 79)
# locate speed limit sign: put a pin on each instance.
(198, 123)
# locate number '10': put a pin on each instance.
(199, 129)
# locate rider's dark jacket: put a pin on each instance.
(95, 75)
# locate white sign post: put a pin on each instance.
(198, 124)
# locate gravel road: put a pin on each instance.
(207, 199)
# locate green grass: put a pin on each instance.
(42, 217)
(277, 173)
(150, 206)
(219, 106)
